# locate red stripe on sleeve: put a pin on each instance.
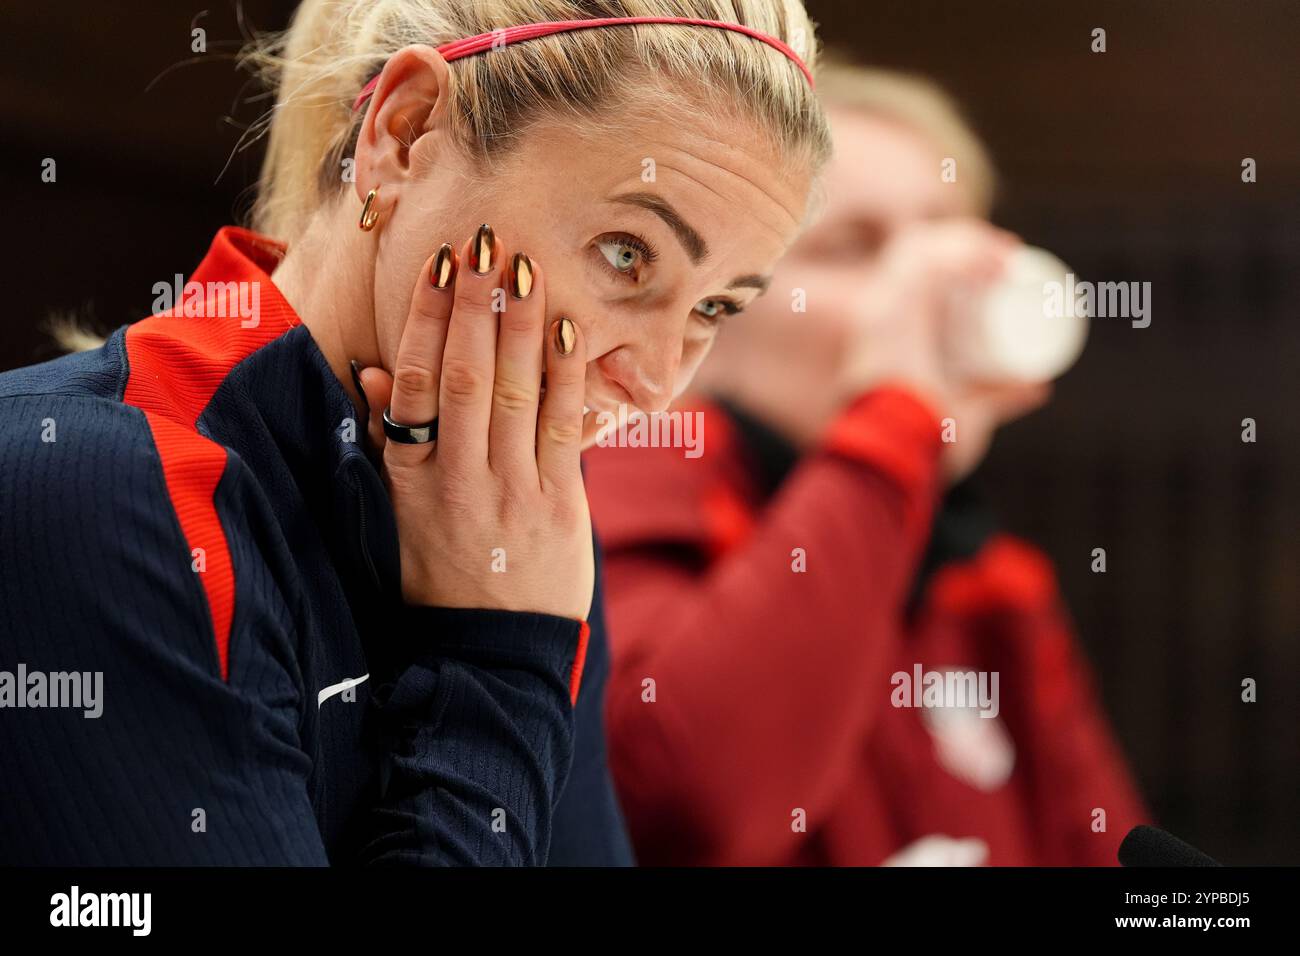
(579, 661)
(176, 364)
(192, 467)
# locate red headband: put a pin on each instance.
(469, 46)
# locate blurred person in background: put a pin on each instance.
(763, 595)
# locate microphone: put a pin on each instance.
(1149, 846)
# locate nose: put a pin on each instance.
(647, 372)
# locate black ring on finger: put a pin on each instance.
(410, 434)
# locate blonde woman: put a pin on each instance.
(237, 638)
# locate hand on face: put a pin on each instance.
(649, 227)
(493, 513)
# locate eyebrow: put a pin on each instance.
(691, 240)
(751, 282)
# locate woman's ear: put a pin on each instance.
(411, 100)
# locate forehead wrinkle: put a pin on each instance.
(794, 220)
(775, 231)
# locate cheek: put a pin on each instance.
(572, 292)
(395, 278)
(643, 326)
(833, 298)
(839, 303)
(694, 352)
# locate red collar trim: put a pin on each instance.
(241, 255)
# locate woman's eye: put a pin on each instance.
(622, 256)
(714, 309)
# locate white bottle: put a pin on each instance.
(1017, 331)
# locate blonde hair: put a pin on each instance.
(333, 47)
(920, 105)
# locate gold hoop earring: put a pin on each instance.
(369, 214)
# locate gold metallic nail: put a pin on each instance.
(521, 275)
(443, 268)
(481, 250)
(566, 336)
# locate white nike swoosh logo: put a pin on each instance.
(327, 692)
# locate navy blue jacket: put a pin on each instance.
(189, 512)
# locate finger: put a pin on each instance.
(378, 385)
(469, 359)
(559, 425)
(516, 387)
(416, 373)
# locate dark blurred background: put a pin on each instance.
(1127, 164)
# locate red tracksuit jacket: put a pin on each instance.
(749, 709)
